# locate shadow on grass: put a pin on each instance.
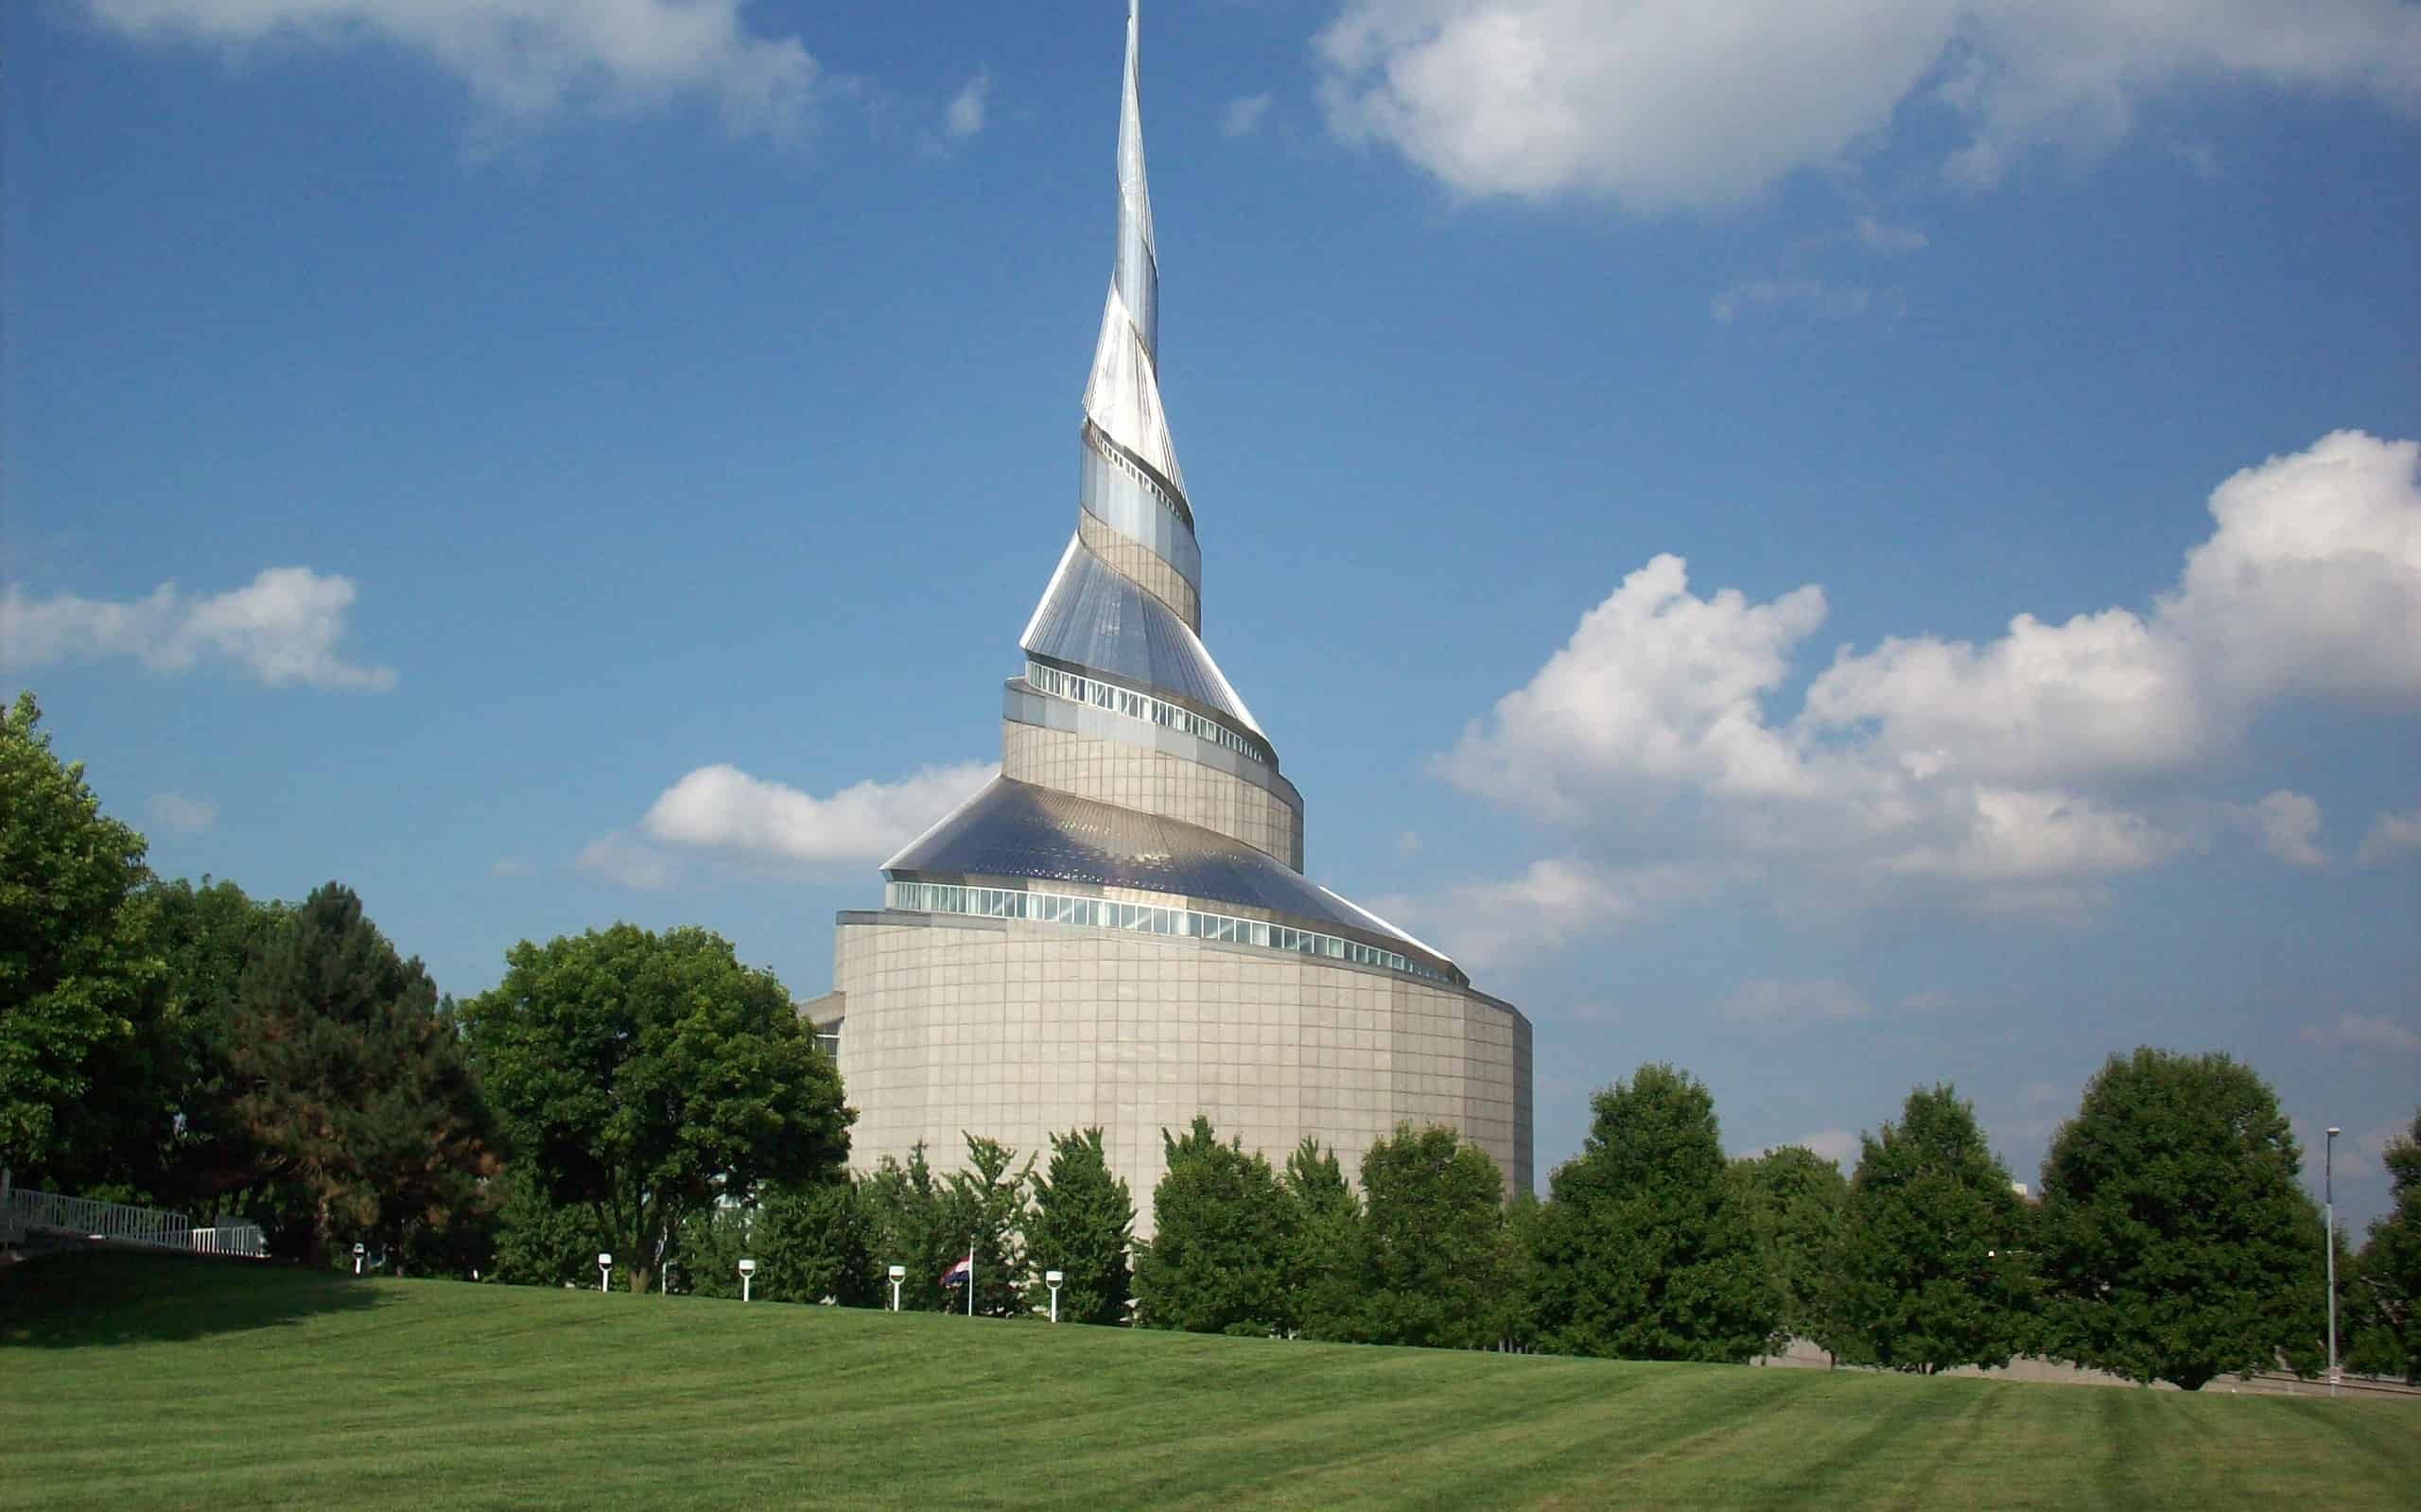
(74, 1300)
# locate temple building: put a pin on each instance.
(1117, 931)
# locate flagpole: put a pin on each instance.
(970, 1275)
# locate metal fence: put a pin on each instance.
(25, 1214)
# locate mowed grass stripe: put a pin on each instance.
(130, 1380)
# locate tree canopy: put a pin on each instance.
(1936, 1268)
(643, 1076)
(1646, 1249)
(1797, 1199)
(1083, 1223)
(1216, 1261)
(2178, 1240)
(75, 966)
(2386, 1314)
(1430, 1247)
(352, 1086)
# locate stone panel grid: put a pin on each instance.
(1154, 782)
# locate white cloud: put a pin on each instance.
(179, 813)
(2288, 827)
(2005, 765)
(511, 866)
(528, 61)
(619, 859)
(1552, 902)
(2364, 1032)
(1874, 236)
(724, 808)
(282, 627)
(1242, 116)
(1840, 1146)
(964, 116)
(1668, 103)
(1765, 1001)
(2390, 835)
(1813, 295)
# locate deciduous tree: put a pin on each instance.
(75, 967)
(2178, 1240)
(1645, 1249)
(1430, 1247)
(1797, 1198)
(1324, 1294)
(1084, 1220)
(645, 1076)
(1216, 1261)
(2387, 1277)
(1936, 1265)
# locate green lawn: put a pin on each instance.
(133, 1382)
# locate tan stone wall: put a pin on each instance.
(1141, 564)
(1019, 1030)
(1154, 782)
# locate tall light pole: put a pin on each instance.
(2329, 1191)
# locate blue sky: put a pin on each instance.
(1841, 547)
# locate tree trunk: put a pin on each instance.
(641, 1279)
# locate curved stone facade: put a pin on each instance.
(1020, 1031)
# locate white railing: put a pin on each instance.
(25, 1214)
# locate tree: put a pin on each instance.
(1796, 1200)
(817, 1241)
(75, 964)
(539, 1242)
(2178, 1242)
(1324, 1293)
(988, 1203)
(352, 1087)
(915, 1226)
(1216, 1261)
(1935, 1264)
(646, 1076)
(2386, 1291)
(1644, 1249)
(1083, 1222)
(1430, 1247)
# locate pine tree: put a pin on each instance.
(1324, 1294)
(988, 1201)
(1084, 1220)
(1936, 1268)
(354, 1088)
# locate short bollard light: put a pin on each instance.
(604, 1269)
(1051, 1278)
(896, 1272)
(747, 1274)
(359, 1250)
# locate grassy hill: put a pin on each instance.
(135, 1382)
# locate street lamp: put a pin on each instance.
(747, 1274)
(2329, 1190)
(604, 1269)
(359, 1250)
(1051, 1279)
(896, 1272)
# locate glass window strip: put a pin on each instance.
(1134, 706)
(1058, 908)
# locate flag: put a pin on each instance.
(960, 1274)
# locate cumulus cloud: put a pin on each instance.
(964, 116)
(724, 808)
(1242, 116)
(2286, 824)
(528, 61)
(2004, 765)
(282, 627)
(1550, 904)
(1765, 1001)
(2391, 836)
(1669, 103)
(1836, 1145)
(174, 811)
